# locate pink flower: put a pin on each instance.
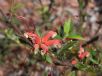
(43, 42)
(81, 50)
(82, 54)
(87, 54)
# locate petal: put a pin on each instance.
(84, 54)
(87, 54)
(53, 42)
(81, 50)
(44, 48)
(81, 56)
(26, 35)
(36, 48)
(37, 39)
(34, 37)
(49, 35)
(73, 62)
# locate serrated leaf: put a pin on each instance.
(67, 26)
(75, 36)
(48, 59)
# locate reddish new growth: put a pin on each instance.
(82, 54)
(44, 42)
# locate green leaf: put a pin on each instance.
(81, 66)
(65, 46)
(61, 31)
(93, 52)
(45, 9)
(67, 26)
(93, 60)
(38, 32)
(57, 37)
(72, 73)
(84, 67)
(14, 20)
(9, 33)
(81, 4)
(75, 36)
(48, 59)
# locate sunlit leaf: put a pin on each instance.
(45, 9)
(67, 26)
(75, 36)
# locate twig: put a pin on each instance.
(51, 4)
(7, 22)
(91, 41)
(18, 33)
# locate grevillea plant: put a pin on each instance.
(63, 46)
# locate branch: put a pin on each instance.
(15, 28)
(91, 41)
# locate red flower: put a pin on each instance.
(74, 62)
(43, 42)
(82, 54)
